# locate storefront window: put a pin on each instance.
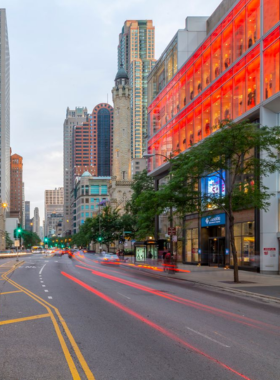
(253, 22)
(239, 94)
(206, 116)
(253, 83)
(216, 57)
(245, 244)
(239, 35)
(189, 93)
(189, 128)
(197, 124)
(271, 70)
(175, 139)
(169, 143)
(216, 109)
(182, 132)
(270, 14)
(227, 101)
(206, 68)
(192, 245)
(227, 47)
(197, 77)
(182, 90)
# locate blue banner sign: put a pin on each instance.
(213, 220)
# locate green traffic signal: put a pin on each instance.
(100, 238)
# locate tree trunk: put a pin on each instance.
(233, 248)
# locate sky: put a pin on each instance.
(64, 53)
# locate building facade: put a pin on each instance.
(233, 74)
(54, 204)
(120, 186)
(138, 165)
(36, 221)
(28, 222)
(54, 219)
(4, 110)
(87, 195)
(73, 118)
(136, 52)
(23, 206)
(16, 168)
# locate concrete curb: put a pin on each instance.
(225, 289)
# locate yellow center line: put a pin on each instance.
(64, 347)
(14, 291)
(7, 322)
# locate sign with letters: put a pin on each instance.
(213, 220)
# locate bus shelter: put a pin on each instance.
(146, 251)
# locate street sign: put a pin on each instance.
(17, 243)
(171, 231)
(174, 238)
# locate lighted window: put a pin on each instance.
(253, 83)
(271, 70)
(189, 129)
(169, 106)
(189, 86)
(253, 22)
(182, 91)
(182, 132)
(163, 116)
(239, 94)
(169, 145)
(227, 101)
(206, 117)
(239, 34)
(227, 47)
(197, 124)
(206, 68)
(175, 139)
(197, 77)
(163, 148)
(216, 57)
(216, 109)
(271, 15)
(176, 105)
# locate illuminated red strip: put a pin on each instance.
(210, 309)
(152, 324)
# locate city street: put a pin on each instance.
(63, 319)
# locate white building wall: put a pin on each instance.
(269, 221)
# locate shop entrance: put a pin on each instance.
(216, 254)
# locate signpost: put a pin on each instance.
(171, 231)
(17, 243)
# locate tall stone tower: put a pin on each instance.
(120, 187)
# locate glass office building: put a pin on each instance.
(232, 74)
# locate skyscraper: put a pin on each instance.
(136, 51)
(54, 202)
(4, 110)
(16, 186)
(73, 117)
(28, 226)
(36, 221)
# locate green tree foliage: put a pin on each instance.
(30, 239)
(9, 242)
(233, 149)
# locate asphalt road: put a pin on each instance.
(64, 319)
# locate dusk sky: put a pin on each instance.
(64, 53)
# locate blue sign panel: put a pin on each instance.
(213, 220)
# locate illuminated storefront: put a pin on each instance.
(233, 74)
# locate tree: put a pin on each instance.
(234, 149)
(9, 242)
(30, 238)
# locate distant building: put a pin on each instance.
(138, 165)
(16, 186)
(23, 207)
(54, 203)
(89, 191)
(5, 110)
(36, 221)
(53, 220)
(28, 222)
(73, 118)
(136, 52)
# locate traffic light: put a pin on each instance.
(45, 239)
(99, 238)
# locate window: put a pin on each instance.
(197, 77)
(270, 14)
(216, 109)
(239, 94)
(253, 83)
(227, 47)
(245, 244)
(271, 70)
(192, 245)
(206, 117)
(216, 57)
(239, 34)
(253, 22)
(103, 189)
(94, 189)
(206, 68)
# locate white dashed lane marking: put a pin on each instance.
(46, 290)
(50, 297)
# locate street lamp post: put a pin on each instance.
(168, 159)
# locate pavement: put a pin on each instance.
(250, 283)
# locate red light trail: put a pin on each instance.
(152, 324)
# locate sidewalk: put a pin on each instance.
(251, 283)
